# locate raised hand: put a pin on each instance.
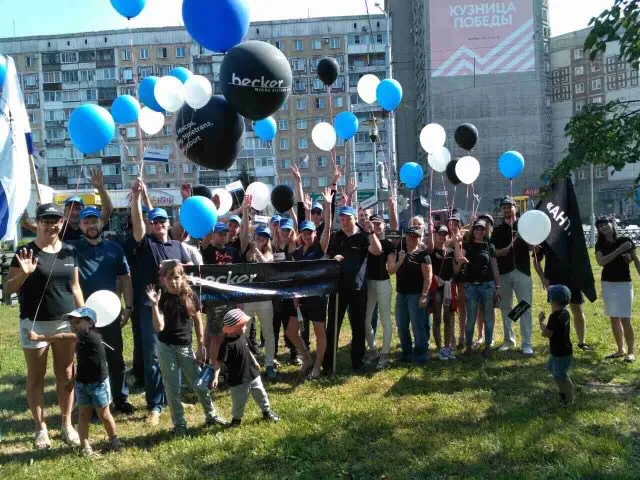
(296, 173)
(246, 203)
(153, 295)
(27, 261)
(401, 256)
(393, 203)
(307, 201)
(97, 178)
(186, 190)
(327, 195)
(337, 173)
(351, 186)
(137, 187)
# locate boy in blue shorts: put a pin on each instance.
(557, 330)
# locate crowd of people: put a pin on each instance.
(442, 271)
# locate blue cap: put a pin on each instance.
(307, 225)
(276, 218)
(235, 218)
(82, 312)
(220, 227)
(74, 199)
(317, 206)
(157, 213)
(87, 212)
(559, 294)
(347, 211)
(286, 224)
(263, 231)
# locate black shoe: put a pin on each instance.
(586, 347)
(235, 422)
(216, 420)
(270, 416)
(124, 407)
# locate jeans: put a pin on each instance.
(409, 316)
(112, 336)
(138, 359)
(264, 312)
(240, 393)
(522, 285)
(379, 297)
(477, 294)
(173, 360)
(153, 390)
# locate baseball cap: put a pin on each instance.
(88, 212)
(73, 199)
(488, 217)
(235, 218)
(234, 320)
(286, 224)
(220, 227)
(347, 211)
(455, 216)
(317, 206)
(414, 231)
(559, 294)
(480, 223)
(442, 229)
(307, 225)
(82, 312)
(157, 213)
(276, 218)
(507, 200)
(263, 231)
(376, 218)
(49, 210)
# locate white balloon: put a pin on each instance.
(439, 159)
(169, 93)
(107, 306)
(324, 136)
(432, 137)
(225, 200)
(534, 227)
(198, 91)
(468, 170)
(150, 122)
(260, 195)
(367, 86)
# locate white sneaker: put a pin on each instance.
(527, 351)
(479, 342)
(504, 347)
(442, 354)
(451, 354)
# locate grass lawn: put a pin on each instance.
(468, 418)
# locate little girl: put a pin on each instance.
(176, 309)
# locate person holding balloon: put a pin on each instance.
(456, 235)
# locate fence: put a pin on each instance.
(632, 232)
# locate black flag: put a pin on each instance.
(566, 240)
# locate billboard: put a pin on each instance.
(481, 37)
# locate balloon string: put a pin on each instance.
(511, 188)
(430, 194)
(411, 206)
(453, 198)
(446, 194)
(333, 150)
(466, 202)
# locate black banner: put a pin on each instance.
(255, 282)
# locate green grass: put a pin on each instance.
(465, 419)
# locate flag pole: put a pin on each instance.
(32, 165)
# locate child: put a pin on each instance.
(244, 370)
(91, 378)
(557, 331)
(176, 309)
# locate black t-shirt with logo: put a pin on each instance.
(235, 244)
(235, 354)
(443, 263)
(220, 255)
(409, 278)
(92, 357)
(518, 256)
(354, 249)
(51, 280)
(478, 269)
(377, 264)
(616, 270)
(560, 341)
(178, 325)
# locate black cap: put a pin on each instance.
(508, 200)
(486, 216)
(480, 223)
(376, 218)
(414, 231)
(49, 210)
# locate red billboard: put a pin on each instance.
(480, 37)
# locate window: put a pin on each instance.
(30, 80)
(306, 181)
(598, 99)
(340, 163)
(578, 70)
(303, 143)
(35, 136)
(279, 44)
(298, 64)
(55, 133)
(34, 116)
(127, 74)
(582, 175)
(163, 70)
(579, 88)
(284, 144)
(611, 64)
(261, 143)
(301, 124)
(633, 76)
(161, 52)
(301, 103)
(70, 76)
(334, 42)
(32, 98)
(322, 162)
(339, 83)
(150, 169)
(52, 97)
(579, 105)
(51, 77)
(599, 172)
(28, 61)
(338, 102)
(316, 44)
(286, 181)
(380, 38)
(265, 162)
(54, 115)
(317, 84)
(91, 95)
(50, 58)
(132, 132)
(596, 84)
(125, 54)
(169, 168)
(322, 181)
(179, 52)
(284, 163)
(203, 68)
(111, 169)
(300, 85)
(298, 45)
(187, 167)
(87, 75)
(283, 125)
(304, 162)
(106, 74)
(339, 142)
(578, 53)
(285, 106)
(144, 54)
(320, 102)
(71, 96)
(167, 130)
(69, 57)
(595, 66)
(145, 72)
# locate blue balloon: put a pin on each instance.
(198, 216)
(217, 25)
(91, 128)
(346, 125)
(389, 94)
(511, 164)
(411, 174)
(125, 109)
(146, 95)
(3, 70)
(265, 129)
(129, 8)
(181, 73)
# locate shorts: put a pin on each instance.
(314, 309)
(559, 367)
(215, 316)
(97, 395)
(42, 328)
(284, 309)
(576, 294)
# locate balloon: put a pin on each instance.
(345, 125)
(367, 86)
(439, 160)
(256, 79)
(211, 136)
(451, 172)
(265, 129)
(169, 93)
(125, 109)
(389, 94)
(328, 69)
(150, 122)
(107, 306)
(198, 216)
(224, 197)
(282, 198)
(324, 136)
(3, 69)
(432, 138)
(217, 25)
(466, 136)
(259, 195)
(198, 91)
(146, 93)
(534, 227)
(91, 128)
(181, 73)
(511, 164)
(128, 8)
(202, 191)
(467, 170)
(411, 174)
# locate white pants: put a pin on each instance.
(379, 292)
(522, 285)
(264, 311)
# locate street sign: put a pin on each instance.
(441, 193)
(156, 155)
(233, 186)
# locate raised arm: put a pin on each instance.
(393, 213)
(26, 265)
(97, 180)
(136, 210)
(154, 297)
(245, 225)
(328, 196)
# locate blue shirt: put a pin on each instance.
(100, 265)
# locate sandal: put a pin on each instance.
(614, 355)
(585, 347)
(70, 436)
(88, 452)
(42, 440)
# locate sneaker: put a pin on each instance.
(215, 420)
(505, 347)
(180, 430)
(297, 360)
(124, 407)
(88, 452)
(42, 440)
(235, 422)
(442, 354)
(315, 374)
(276, 364)
(371, 356)
(451, 354)
(271, 373)
(153, 418)
(479, 342)
(528, 351)
(270, 416)
(630, 358)
(586, 347)
(383, 362)
(70, 436)
(114, 444)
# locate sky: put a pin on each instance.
(48, 17)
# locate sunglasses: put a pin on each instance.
(157, 221)
(316, 212)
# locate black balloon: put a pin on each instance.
(256, 79)
(211, 136)
(328, 70)
(282, 198)
(451, 172)
(466, 136)
(201, 191)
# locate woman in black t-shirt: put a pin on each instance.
(614, 254)
(44, 273)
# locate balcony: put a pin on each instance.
(107, 83)
(364, 48)
(363, 68)
(265, 171)
(51, 87)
